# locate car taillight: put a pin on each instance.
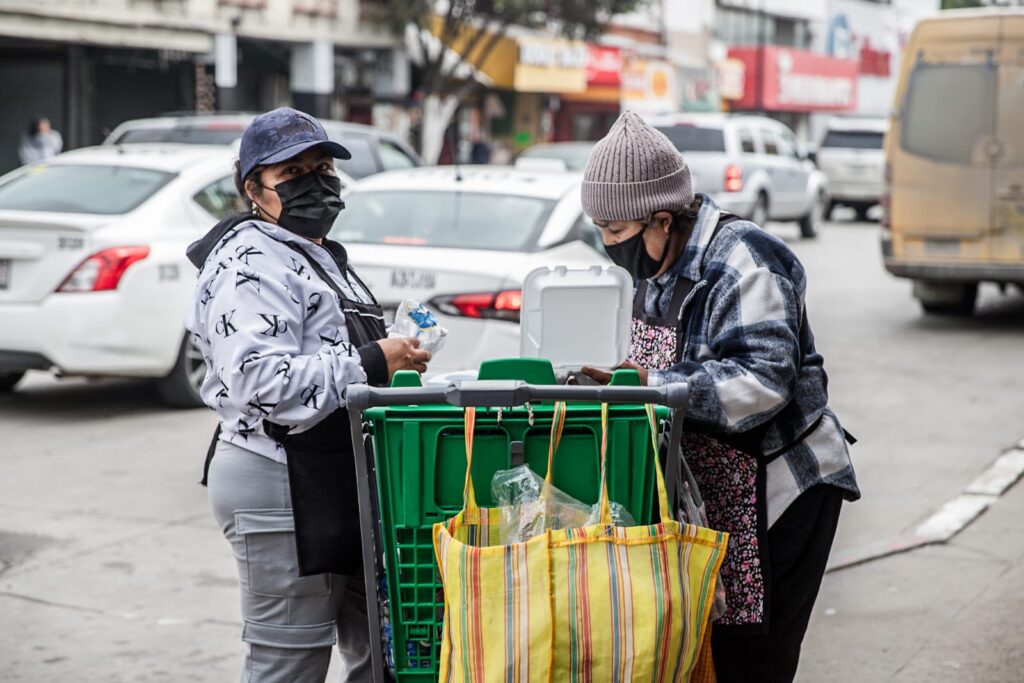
(103, 270)
(733, 178)
(502, 305)
(886, 199)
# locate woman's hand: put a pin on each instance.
(603, 377)
(404, 353)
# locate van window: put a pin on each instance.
(746, 140)
(770, 146)
(852, 139)
(948, 110)
(689, 138)
(787, 145)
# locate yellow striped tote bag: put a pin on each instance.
(597, 603)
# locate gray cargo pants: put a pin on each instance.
(290, 622)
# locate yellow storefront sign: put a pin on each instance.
(551, 66)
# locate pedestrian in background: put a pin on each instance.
(285, 325)
(719, 304)
(40, 142)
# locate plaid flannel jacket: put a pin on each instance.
(742, 355)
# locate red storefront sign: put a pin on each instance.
(795, 80)
(604, 65)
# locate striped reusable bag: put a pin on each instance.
(597, 603)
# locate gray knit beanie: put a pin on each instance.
(633, 172)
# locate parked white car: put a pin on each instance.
(851, 156)
(462, 241)
(753, 166)
(93, 275)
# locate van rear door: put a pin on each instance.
(1008, 205)
(942, 165)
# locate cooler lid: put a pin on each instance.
(577, 316)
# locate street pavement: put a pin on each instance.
(111, 568)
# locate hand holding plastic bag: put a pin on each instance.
(413, 319)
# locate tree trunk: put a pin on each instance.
(437, 114)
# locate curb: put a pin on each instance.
(950, 519)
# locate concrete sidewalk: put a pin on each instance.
(952, 612)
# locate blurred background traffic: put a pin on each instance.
(884, 140)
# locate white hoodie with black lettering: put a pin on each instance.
(273, 332)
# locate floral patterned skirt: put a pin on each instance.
(733, 495)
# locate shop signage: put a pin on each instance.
(795, 80)
(604, 66)
(698, 89)
(551, 66)
(649, 86)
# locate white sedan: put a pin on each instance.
(93, 275)
(462, 241)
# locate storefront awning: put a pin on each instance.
(47, 24)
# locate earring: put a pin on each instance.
(255, 209)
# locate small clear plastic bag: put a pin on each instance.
(413, 319)
(530, 506)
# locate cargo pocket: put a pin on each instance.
(271, 558)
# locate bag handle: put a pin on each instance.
(605, 504)
(468, 495)
(469, 421)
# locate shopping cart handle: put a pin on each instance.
(507, 393)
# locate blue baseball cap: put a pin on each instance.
(281, 134)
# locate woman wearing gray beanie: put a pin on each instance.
(719, 304)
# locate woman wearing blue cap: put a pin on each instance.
(285, 324)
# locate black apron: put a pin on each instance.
(321, 465)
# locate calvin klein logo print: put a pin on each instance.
(247, 277)
(224, 326)
(315, 299)
(275, 326)
(334, 339)
(259, 407)
(244, 253)
(298, 268)
(207, 295)
(223, 265)
(285, 370)
(310, 395)
(250, 357)
(244, 429)
(223, 392)
(291, 295)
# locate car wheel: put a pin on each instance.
(180, 389)
(946, 299)
(9, 379)
(810, 223)
(759, 214)
(829, 209)
(862, 211)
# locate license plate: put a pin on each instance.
(413, 279)
(5, 273)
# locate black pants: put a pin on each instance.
(798, 544)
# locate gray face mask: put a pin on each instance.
(309, 204)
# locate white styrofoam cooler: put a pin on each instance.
(577, 316)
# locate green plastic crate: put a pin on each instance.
(421, 465)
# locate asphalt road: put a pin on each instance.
(111, 568)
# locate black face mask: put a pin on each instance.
(632, 255)
(309, 204)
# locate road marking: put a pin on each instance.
(950, 519)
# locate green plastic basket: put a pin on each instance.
(421, 465)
